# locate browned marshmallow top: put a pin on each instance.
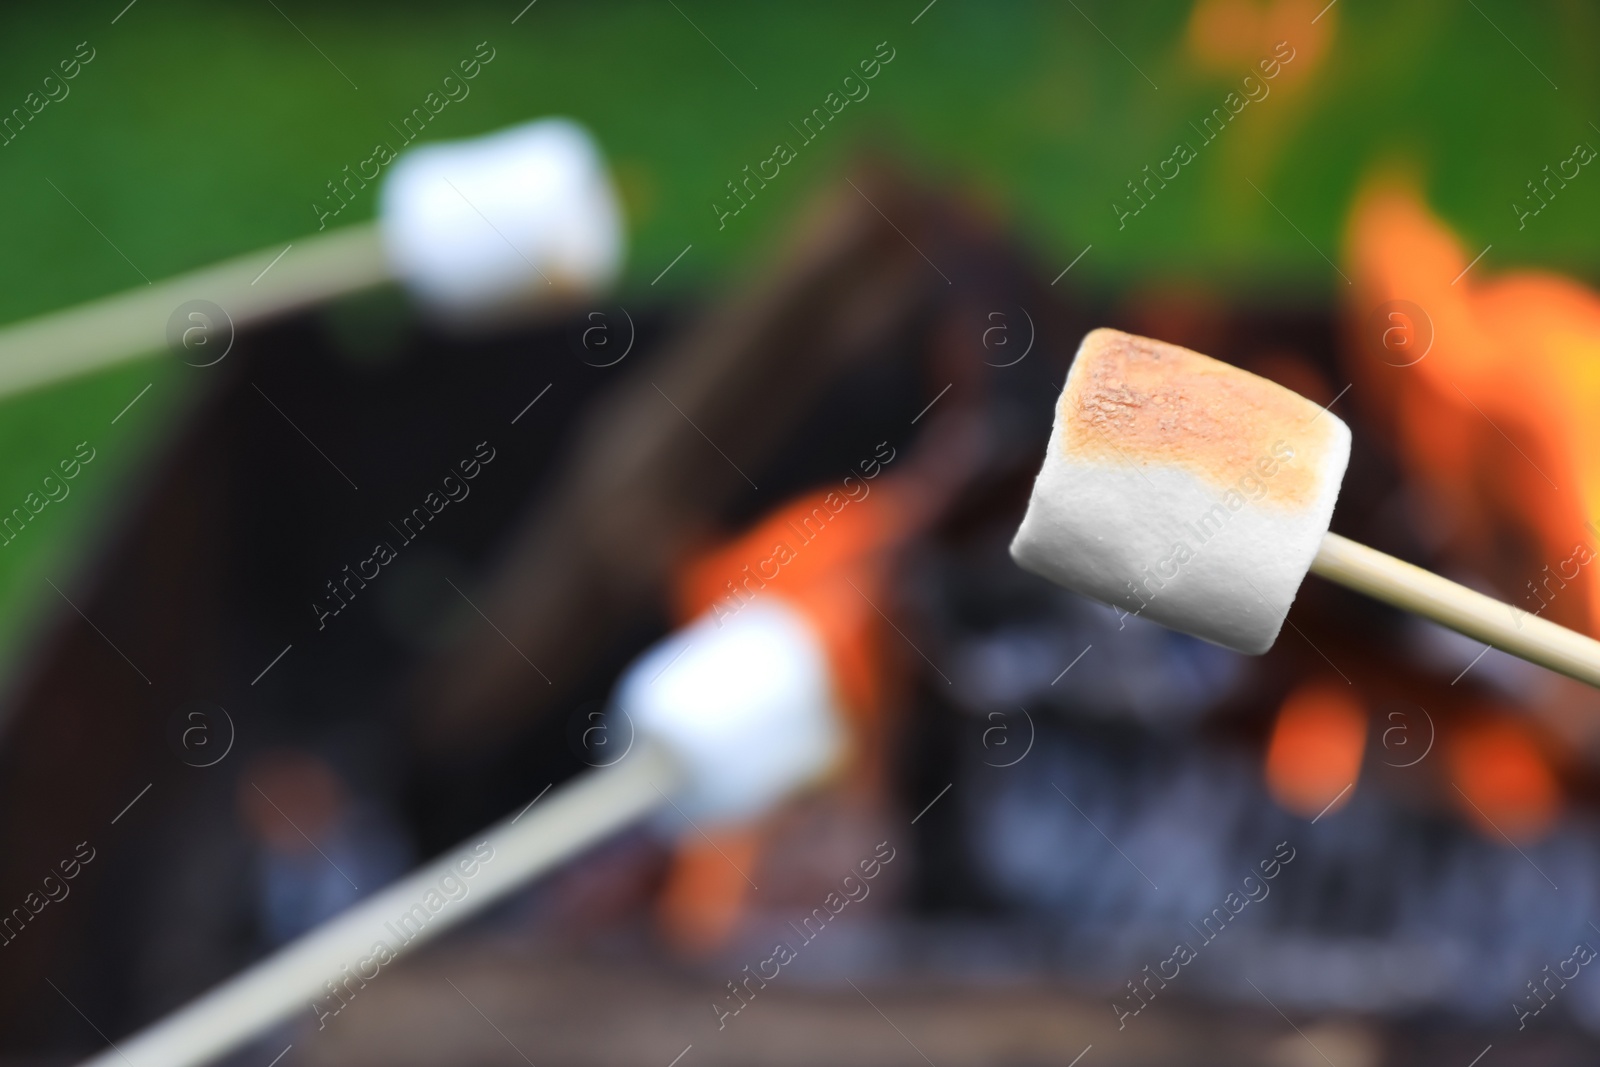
(1134, 400)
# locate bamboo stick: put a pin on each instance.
(1410, 588)
(115, 329)
(550, 832)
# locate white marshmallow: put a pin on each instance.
(1182, 489)
(746, 707)
(482, 226)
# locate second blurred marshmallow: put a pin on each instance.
(746, 705)
(479, 228)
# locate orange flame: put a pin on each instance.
(1314, 756)
(1492, 385)
(1506, 784)
(1224, 36)
(827, 555)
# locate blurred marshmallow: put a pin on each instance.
(478, 228)
(746, 706)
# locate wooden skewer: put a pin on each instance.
(554, 830)
(544, 184)
(1413, 589)
(114, 329)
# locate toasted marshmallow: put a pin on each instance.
(1183, 490)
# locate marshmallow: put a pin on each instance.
(482, 226)
(744, 704)
(1182, 489)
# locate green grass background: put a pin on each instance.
(201, 131)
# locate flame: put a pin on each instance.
(828, 555)
(703, 896)
(1506, 782)
(1492, 385)
(1224, 36)
(1314, 756)
(834, 571)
